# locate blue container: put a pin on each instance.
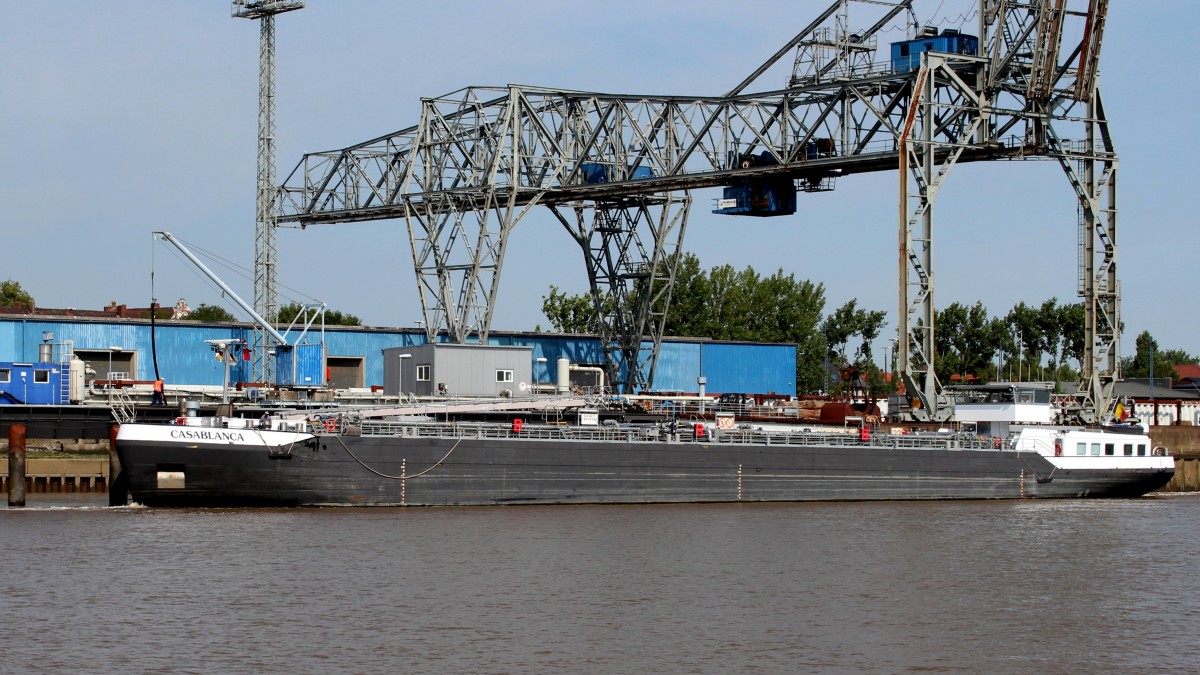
(763, 198)
(34, 383)
(906, 55)
(300, 365)
(595, 173)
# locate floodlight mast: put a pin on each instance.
(266, 249)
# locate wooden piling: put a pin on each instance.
(16, 465)
(118, 487)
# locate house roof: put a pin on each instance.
(1187, 371)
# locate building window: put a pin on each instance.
(1081, 448)
(504, 376)
(41, 376)
(5, 374)
(423, 373)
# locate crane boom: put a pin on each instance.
(258, 319)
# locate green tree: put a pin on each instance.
(722, 304)
(1138, 365)
(12, 295)
(287, 313)
(570, 313)
(1024, 322)
(210, 313)
(1072, 317)
(846, 323)
(965, 341)
(1049, 323)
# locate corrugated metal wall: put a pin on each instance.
(184, 358)
(749, 368)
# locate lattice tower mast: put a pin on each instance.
(266, 248)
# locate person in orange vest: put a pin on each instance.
(157, 398)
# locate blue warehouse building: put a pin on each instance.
(123, 348)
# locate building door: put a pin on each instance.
(346, 372)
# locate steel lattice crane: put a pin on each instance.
(266, 248)
(617, 170)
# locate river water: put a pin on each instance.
(996, 587)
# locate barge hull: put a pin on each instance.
(391, 471)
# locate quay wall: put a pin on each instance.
(70, 474)
(1183, 441)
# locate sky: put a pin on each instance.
(122, 118)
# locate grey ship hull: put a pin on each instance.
(414, 471)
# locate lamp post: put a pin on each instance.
(400, 372)
(537, 380)
(108, 376)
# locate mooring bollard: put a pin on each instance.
(118, 489)
(16, 465)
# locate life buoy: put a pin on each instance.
(1159, 451)
(330, 424)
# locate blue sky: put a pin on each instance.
(122, 118)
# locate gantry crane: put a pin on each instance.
(617, 170)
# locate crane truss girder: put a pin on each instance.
(575, 145)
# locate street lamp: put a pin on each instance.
(537, 381)
(108, 376)
(400, 372)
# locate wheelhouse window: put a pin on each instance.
(5, 374)
(1081, 448)
(1129, 449)
(1096, 449)
(41, 376)
(504, 376)
(1110, 448)
(1141, 449)
(423, 373)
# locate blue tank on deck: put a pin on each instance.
(906, 55)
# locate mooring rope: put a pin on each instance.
(401, 476)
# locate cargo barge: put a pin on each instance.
(350, 460)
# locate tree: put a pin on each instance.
(291, 310)
(12, 295)
(965, 340)
(1073, 317)
(843, 325)
(211, 313)
(1138, 365)
(570, 313)
(723, 304)
(1023, 320)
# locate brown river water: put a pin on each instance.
(962, 587)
